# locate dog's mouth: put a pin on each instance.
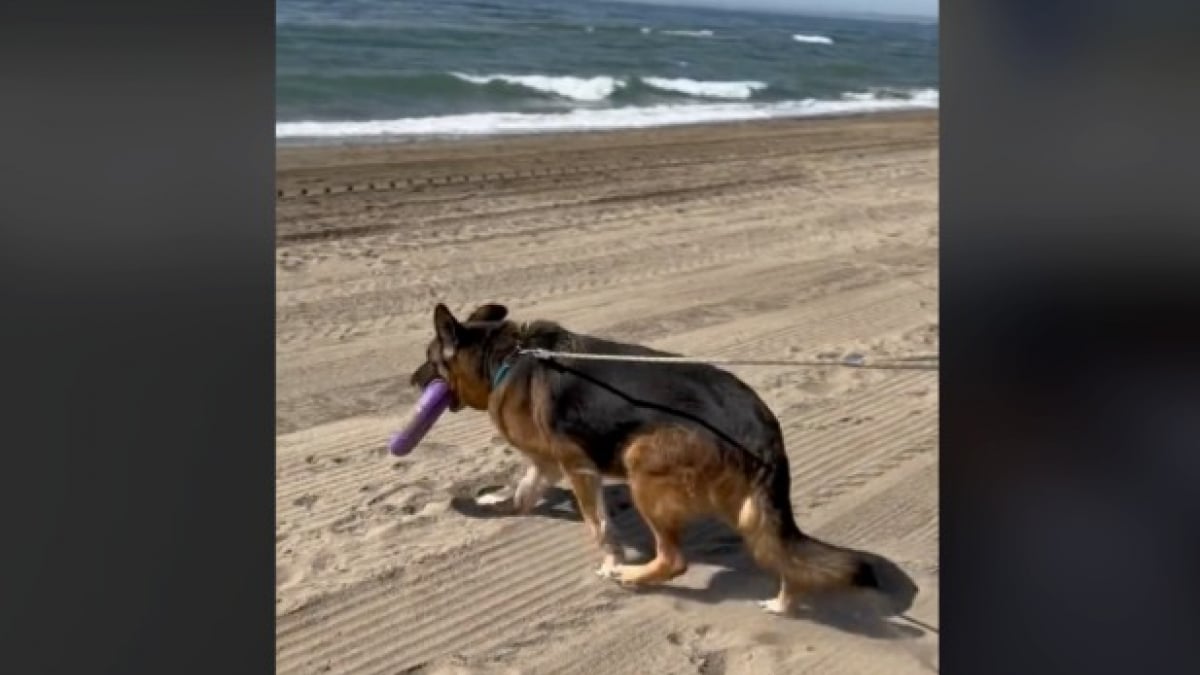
(427, 373)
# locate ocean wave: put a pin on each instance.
(576, 88)
(706, 89)
(930, 97)
(608, 118)
(601, 87)
(689, 33)
(813, 39)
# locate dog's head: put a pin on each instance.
(460, 351)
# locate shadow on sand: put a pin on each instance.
(863, 612)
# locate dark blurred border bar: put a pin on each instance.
(138, 293)
(1070, 222)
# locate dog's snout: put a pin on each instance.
(423, 375)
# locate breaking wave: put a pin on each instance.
(813, 39)
(689, 33)
(710, 89)
(576, 88)
(601, 87)
(583, 119)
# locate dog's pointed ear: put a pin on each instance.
(448, 328)
(489, 312)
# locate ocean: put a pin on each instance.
(380, 69)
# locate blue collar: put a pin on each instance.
(501, 373)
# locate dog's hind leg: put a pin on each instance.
(667, 471)
(589, 495)
(761, 531)
(661, 505)
(803, 563)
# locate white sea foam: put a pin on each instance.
(608, 118)
(927, 97)
(645, 30)
(689, 33)
(813, 39)
(576, 88)
(602, 86)
(708, 89)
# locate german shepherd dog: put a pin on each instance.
(690, 440)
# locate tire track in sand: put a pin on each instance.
(377, 575)
(510, 580)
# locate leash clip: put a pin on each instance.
(505, 365)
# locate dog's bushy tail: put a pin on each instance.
(817, 564)
(776, 542)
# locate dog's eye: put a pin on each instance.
(439, 365)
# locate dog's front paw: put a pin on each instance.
(626, 576)
(609, 569)
(773, 606)
(494, 499)
(497, 503)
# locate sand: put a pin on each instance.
(788, 239)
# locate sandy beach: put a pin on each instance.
(789, 239)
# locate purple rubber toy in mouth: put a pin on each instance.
(435, 398)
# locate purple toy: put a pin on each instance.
(433, 402)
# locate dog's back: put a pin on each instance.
(602, 405)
